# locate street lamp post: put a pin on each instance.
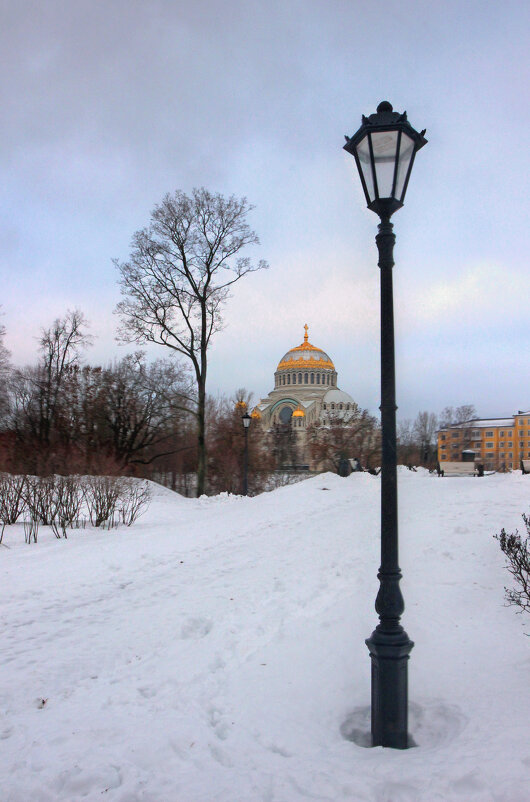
(246, 423)
(384, 148)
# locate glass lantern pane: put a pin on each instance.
(406, 152)
(384, 144)
(363, 153)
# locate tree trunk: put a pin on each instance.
(201, 440)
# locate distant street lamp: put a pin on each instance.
(246, 423)
(384, 148)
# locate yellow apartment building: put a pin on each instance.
(499, 443)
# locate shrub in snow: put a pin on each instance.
(114, 499)
(134, 501)
(11, 499)
(101, 495)
(517, 552)
(40, 498)
(59, 501)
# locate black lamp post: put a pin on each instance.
(384, 148)
(246, 423)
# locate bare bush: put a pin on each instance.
(102, 494)
(69, 502)
(40, 498)
(54, 501)
(517, 552)
(135, 499)
(11, 497)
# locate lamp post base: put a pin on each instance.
(389, 652)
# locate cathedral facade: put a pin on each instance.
(305, 393)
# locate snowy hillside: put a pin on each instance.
(214, 652)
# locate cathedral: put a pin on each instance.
(305, 393)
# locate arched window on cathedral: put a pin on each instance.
(299, 378)
(288, 378)
(324, 405)
(318, 378)
(306, 377)
(312, 378)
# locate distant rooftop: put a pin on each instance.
(481, 423)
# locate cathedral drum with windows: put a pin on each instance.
(305, 392)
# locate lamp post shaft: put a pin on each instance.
(389, 644)
(245, 464)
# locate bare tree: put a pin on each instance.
(340, 438)
(178, 278)
(5, 370)
(146, 406)
(424, 429)
(452, 415)
(39, 397)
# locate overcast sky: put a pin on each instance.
(106, 106)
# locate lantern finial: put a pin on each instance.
(384, 106)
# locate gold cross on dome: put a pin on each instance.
(305, 335)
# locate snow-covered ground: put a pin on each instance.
(214, 652)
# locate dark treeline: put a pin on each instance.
(131, 417)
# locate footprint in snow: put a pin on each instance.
(196, 628)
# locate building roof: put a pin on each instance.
(480, 423)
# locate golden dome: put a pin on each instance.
(298, 413)
(256, 414)
(305, 356)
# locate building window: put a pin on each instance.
(299, 378)
(501, 434)
(318, 378)
(489, 445)
(509, 434)
(510, 454)
(324, 405)
(475, 433)
(489, 453)
(333, 406)
(501, 454)
(510, 444)
(489, 434)
(442, 437)
(306, 377)
(443, 456)
(444, 446)
(312, 378)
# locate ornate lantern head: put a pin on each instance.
(384, 148)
